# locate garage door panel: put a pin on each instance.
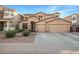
(57, 28)
(41, 28)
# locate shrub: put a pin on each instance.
(10, 33)
(26, 33)
(20, 30)
(30, 30)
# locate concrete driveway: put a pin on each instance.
(52, 43)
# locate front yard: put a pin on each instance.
(19, 38)
(44, 43)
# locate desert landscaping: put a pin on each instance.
(19, 38)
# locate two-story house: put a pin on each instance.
(8, 18)
(42, 22)
(74, 19)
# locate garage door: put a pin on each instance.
(57, 28)
(41, 27)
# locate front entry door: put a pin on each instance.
(1, 26)
(33, 26)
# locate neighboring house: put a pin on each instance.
(8, 18)
(42, 22)
(75, 22)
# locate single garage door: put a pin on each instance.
(41, 27)
(57, 28)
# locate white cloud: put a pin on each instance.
(53, 8)
(65, 10)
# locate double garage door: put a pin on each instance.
(52, 28)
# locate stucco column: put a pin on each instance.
(20, 26)
(29, 26)
(8, 25)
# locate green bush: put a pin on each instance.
(30, 31)
(26, 33)
(10, 33)
(20, 30)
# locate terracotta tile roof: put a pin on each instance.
(55, 19)
(32, 16)
(46, 19)
(65, 20)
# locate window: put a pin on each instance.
(57, 16)
(40, 16)
(6, 13)
(25, 17)
(1, 12)
(74, 18)
(12, 14)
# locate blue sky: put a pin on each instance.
(65, 10)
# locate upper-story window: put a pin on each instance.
(1, 12)
(74, 18)
(40, 16)
(12, 14)
(6, 13)
(25, 17)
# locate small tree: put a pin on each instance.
(10, 33)
(26, 33)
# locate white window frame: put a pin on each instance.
(74, 21)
